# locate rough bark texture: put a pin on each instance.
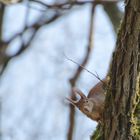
(121, 119)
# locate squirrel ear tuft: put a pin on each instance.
(79, 92)
(72, 101)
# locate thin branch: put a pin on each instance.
(69, 4)
(95, 75)
(114, 14)
(73, 80)
(2, 9)
(24, 47)
(34, 26)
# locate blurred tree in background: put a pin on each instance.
(34, 118)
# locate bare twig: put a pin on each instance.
(95, 75)
(69, 4)
(35, 28)
(2, 9)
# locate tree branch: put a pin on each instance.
(73, 80)
(24, 47)
(114, 14)
(69, 4)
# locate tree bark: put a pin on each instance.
(121, 117)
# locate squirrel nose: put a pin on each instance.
(88, 108)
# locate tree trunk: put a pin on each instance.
(121, 117)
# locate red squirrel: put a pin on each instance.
(93, 104)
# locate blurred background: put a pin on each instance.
(37, 37)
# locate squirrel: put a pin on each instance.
(93, 104)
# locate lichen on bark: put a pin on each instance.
(135, 117)
(97, 134)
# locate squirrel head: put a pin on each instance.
(93, 104)
(84, 104)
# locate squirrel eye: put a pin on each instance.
(85, 101)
